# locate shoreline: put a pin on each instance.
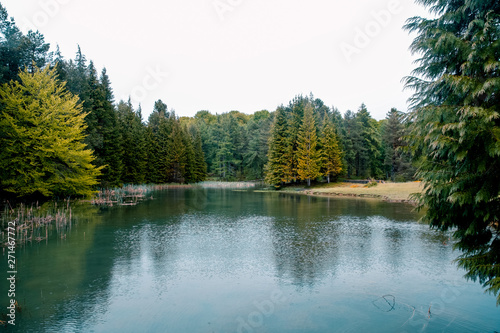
(358, 196)
(388, 192)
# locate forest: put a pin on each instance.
(62, 134)
(301, 141)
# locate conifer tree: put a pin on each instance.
(330, 152)
(42, 132)
(368, 150)
(133, 140)
(353, 143)
(199, 159)
(277, 167)
(455, 128)
(309, 158)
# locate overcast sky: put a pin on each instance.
(223, 55)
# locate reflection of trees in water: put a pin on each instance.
(314, 237)
(54, 276)
(305, 246)
(304, 251)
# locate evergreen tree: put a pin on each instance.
(223, 163)
(255, 157)
(277, 167)
(353, 143)
(111, 151)
(176, 156)
(368, 151)
(331, 154)
(200, 170)
(19, 51)
(397, 163)
(455, 128)
(133, 140)
(42, 131)
(309, 158)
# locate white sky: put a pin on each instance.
(223, 55)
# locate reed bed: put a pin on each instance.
(130, 195)
(35, 223)
(231, 185)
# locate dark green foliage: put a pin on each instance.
(397, 165)
(353, 145)
(133, 141)
(255, 156)
(277, 168)
(455, 128)
(200, 166)
(19, 51)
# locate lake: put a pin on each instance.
(220, 260)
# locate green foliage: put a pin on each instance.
(331, 155)
(133, 141)
(396, 165)
(309, 158)
(455, 128)
(42, 132)
(277, 167)
(19, 51)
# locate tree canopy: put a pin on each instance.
(42, 132)
(455, 128)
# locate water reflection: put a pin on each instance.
(210, 260)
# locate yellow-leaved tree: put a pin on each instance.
(41, 139)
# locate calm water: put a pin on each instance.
(236, 261)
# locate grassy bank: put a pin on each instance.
(393, 192)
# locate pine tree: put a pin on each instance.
(397, 164)
(42, 150)
(330, 153)
(223, 166)
(258, 135)
(368, 151)
(177, 158)
(133, 140)
(309, 158)
(455, 128)
(277, 167)
(111, 151)
(199, 159)
(353, 143)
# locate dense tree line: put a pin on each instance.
(61, 132)
(114, 145)
(304, 141)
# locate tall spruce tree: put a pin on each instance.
(278, 165)
(309, 158)
(455, 128)
(368, 150)
(331, 164)
(200, 171)
(133, 141)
